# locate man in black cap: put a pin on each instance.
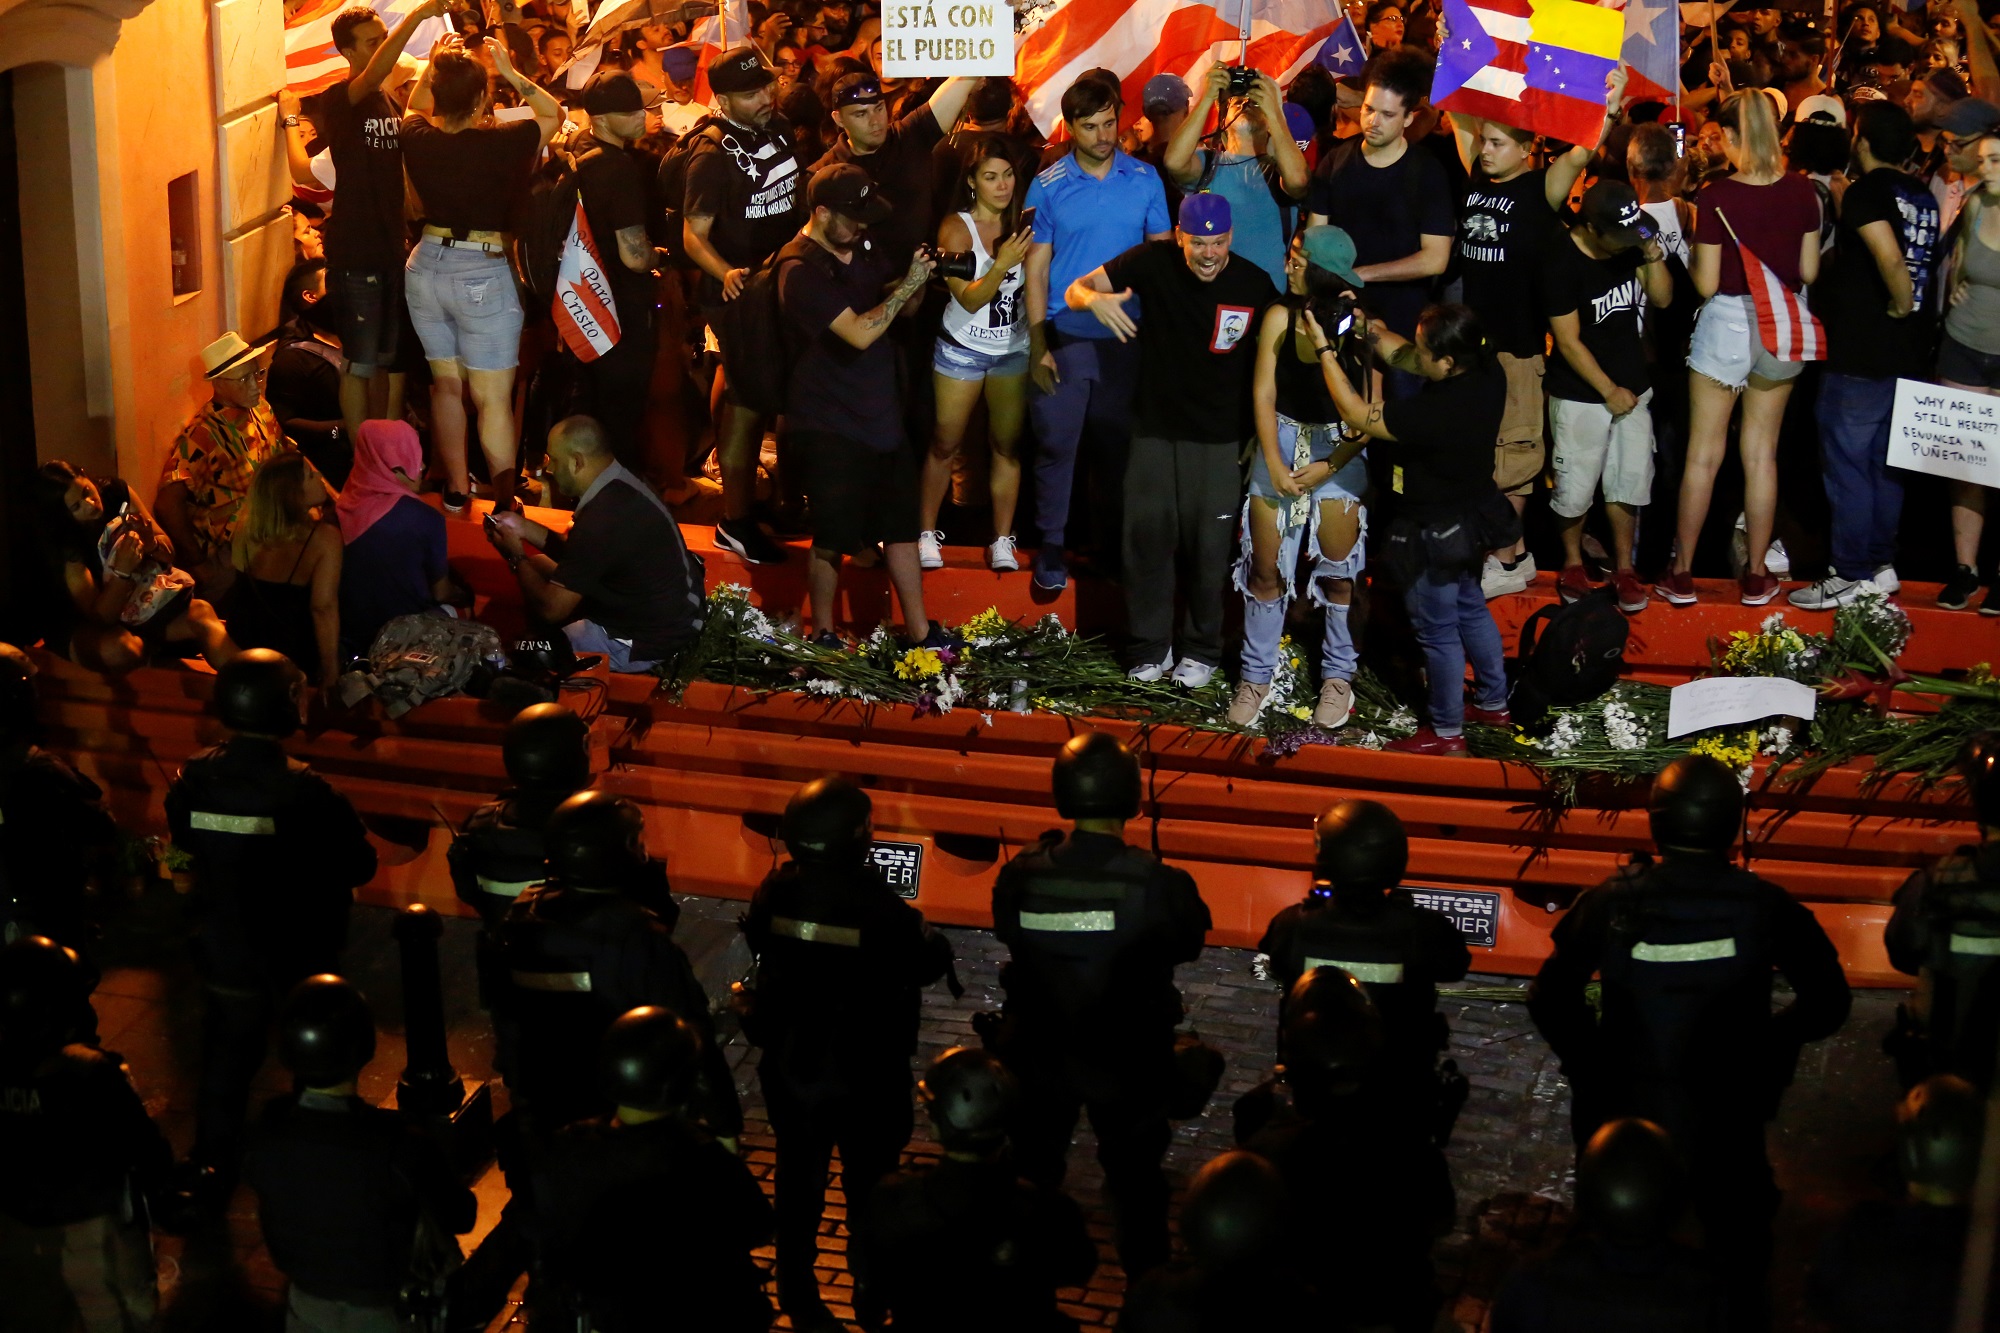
(844, 423)
(614, 183)
(896, 154)
(743, 201)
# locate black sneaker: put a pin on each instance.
(455, 502)
(829, 639)
(1990, 606)
(747, 540)
(1956, 595)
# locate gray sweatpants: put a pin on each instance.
(1181, 502)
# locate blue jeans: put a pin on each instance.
(1453, 624)
(587, 636)
(1864, 492)
(1098, 376)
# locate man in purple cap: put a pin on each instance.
(895, 154)
(1191, 417)
(742, 202)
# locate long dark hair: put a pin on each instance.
(983, 149)
(64, 538)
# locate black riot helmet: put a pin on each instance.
(1096, 777)
(651, 1060)
(1359, 848)
(548, 748)
(595, 840)
(43, 994)
(1939, 1126)
(1330, 1036)
(1697, 806)
(1979, 765)
(1628, 1183)
(17, 696)
(970, 1097)
(829, 821)
(258, 691)
(1235, 1212)
(326, 1033)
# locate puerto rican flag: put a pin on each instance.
(311, 62)
(585, 312)
(1785, 324)
(1537, 65)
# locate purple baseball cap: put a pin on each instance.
(1204, 215)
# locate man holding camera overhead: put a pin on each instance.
(1262, 175)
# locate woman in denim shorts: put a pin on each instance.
(470, 174)
(1970, 360)
(1295, 495)
(982, 346)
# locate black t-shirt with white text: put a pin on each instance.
(1852, 299)
(749, 181)
(1198, 344)
(1387, 211)
(365, 229)
(901, 167)
(1606, 297)
(1502, 234)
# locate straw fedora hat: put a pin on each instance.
(226, 353)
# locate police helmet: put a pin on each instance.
(1331, 1034)
(1697, 805)
(1096, 777)
(548, 747)
(17, 695)
(1234, 1211)
(1628, 1183)
(258, 691)
(326, 1033)
(595, 840)
(43, 992)
(1939, 1126)
(1979, 765)
(970, 1098)
(1359, 847)
(828, 820)
(650, 1059)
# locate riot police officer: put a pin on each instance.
(1687, 950)
(645, 1221)
(967, 1246)
(841, 964)
(1945, 931)
(1354, 919)
(277, 856)
(579, 951)
(78, 1155)
(55, 834)
(1619, 1271)
(1095, 928)
(1240, 1259)
(342, 1185)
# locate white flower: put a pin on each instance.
(1777, 741)
(987, 718)
(1743, 777)
(1772, 623)
(821, 685)
(756, 625)
(865, 697)
(1370, 742)
(949, 691)
(1623, 727)
(994, 699)
(1402, 720)
(1565, 735)
(881, 638)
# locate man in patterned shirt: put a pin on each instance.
(205, 481)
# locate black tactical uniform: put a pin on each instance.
(841, 964)
(277, 855)
(1240, 1260)
(1687, 951)
(1945, 931)
(1094, 929)
(355, 1202)
(78, 1155)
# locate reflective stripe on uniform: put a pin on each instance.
(1070, 923)
(1984, 946)
(208, 822)
(1381, 974)
(1701, 951)
(817, 932)
(505, 888)
(553, 981)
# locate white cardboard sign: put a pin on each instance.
(1729, 701)
(947, 37)
(1945, 432)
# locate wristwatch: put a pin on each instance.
(290, 122)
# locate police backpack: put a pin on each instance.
(1570, 654)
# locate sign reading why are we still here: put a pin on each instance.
(1945, 432)
(946, 38)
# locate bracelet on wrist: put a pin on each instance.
(1322, 349)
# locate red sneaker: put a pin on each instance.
(1758, 588)
(1427, 741)
(1675, 586)
(1574, 583)
(1631, 593)
(1488, 717)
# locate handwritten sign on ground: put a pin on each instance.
(1731, 701)
(922, 41)
(1945, 432)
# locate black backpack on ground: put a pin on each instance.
(1570, 654)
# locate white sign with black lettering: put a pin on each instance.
(946, 38)
(1945, 432)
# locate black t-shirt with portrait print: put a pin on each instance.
(751, 183)
(1197, 344)
(1606, 297)
(365, 228)
(1503, 232)
(901, 167)
(615, 187)
(1387, 211)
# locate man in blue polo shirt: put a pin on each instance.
(1090, 206)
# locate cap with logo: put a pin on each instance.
(741, 69)
(1612, 211)
(856, 90)
(611, 92)
(1204, 215)
(848, 191)
(1300, 122)
(1332, 249)
(1165, 95)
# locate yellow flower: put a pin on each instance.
(1522, 737)
(986, 625)
(919, 664)
(1736, 756)
(1301, 712)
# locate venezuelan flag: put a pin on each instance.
(1572, 49)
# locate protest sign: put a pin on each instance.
(924, 41)
(1731, 701)
(1945, 432)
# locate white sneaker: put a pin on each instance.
(1829, 592)
(1152, 672)
(1000, 555)
(930, 550)
(1885, 579)
(1526, 570)
(1193, 675)
(1248, 703)
(1777, 561)
(1496, 580)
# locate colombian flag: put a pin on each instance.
(1537, 65)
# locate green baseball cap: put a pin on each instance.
(1332, 249)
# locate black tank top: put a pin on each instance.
(1302, 394)
(263, 613)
